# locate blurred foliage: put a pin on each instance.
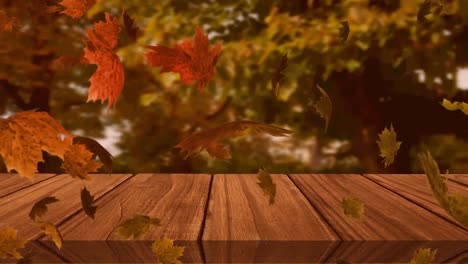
(392, 69)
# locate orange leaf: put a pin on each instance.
(8, 23)
(78, 162)
(24, 136)
(107, 82)
(209, 139)
(193, 60)
(74, 8)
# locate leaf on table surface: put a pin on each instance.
(108, 80)
(456, 205)
(209, 139)
(388, 145)
(344, 31)
(424, 256)
(267, 185)
(352, 207)
(166, 252)
(455, 106)
(424, 10)
(9, 243)
(25, 135)
(40, 208)
(87, 201)
(8, 23)
(78, 162)
(324, 107)
(136, 226)
(130, 28)
(278, 76)
(51, 230)
(193, 60)
(97, 149)
(73, 8)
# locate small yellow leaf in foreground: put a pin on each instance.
(166, 252)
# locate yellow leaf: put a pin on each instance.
(50, 229)
(40, 208)
(166, 252)
(267, 185)
(455, 106)
(424, 256)
(388, 145)
(25, 135)
(9, 243)
(78, 162)
(136, 226)
(352, 207)
(324, 107)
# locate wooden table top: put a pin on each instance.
(227, 218)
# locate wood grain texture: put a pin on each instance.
(11, 182)
(178, 200)
(239, 211)
(387, 218)
(14, 208)
(459, 178)
(39, 254)
(416, 188)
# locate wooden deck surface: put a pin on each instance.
(227, 218)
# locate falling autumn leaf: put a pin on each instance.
(9, 243)
(455, 106)
(130, 28)
(209, 139)
(51, 230)
(87, 201)
(352, 207)
(8, 23)
(40, 208)
(424, 256)
(97, 149)
(136, 226)
(166, 252)
(324, 107)
(267, 185)
(193, 60)
(456, 205)
(73, 8)
(424, 10)
(25, 135)
(78, 162)
(388, 145)
(344, 31)
(278, 76)
(107, 82)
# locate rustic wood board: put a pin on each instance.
(178, 200)
(15, 208)
(39, 254)
(12, 182)
(459, 178)
(388, 218)
(416, 188)
(240, 222)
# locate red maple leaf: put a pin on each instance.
(107, 82)
(73, 8)
(193, 60)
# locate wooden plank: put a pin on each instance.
(241, 226)
(11, 182)
(459, 178)
(14, 208)
(178, 200)
(416, 188)
(388, 220)
(39, 254)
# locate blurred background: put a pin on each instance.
(392, 69)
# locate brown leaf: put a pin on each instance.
(9, 243)
(136, 226)
(78, 162)
(50, 229)
(25, 135)
(130, 28)
(278, 76)
(97, 149)
(267, 185)
(108, 80)
(209, 139)
(87, 201)
(324, 107)
(40, 208)
(8, 23)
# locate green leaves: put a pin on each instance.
(40, 208)
(352, 207)
(267, 185)
(324, 107)
(87, 201)
(136, 226)
(166, 252)
(455, 106)
(424, 256)
(388, 145)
